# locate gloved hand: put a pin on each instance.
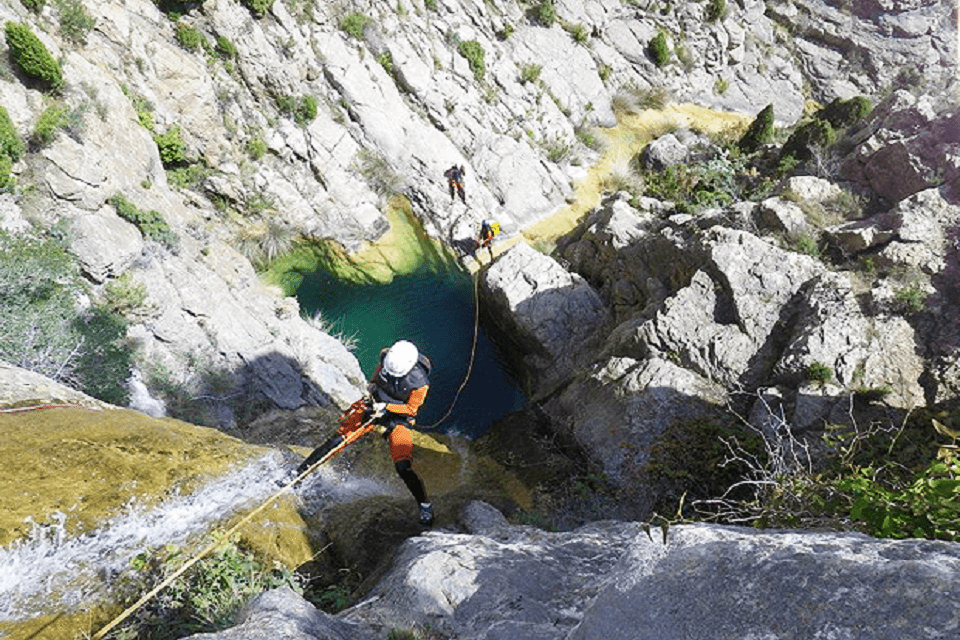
(378, 409)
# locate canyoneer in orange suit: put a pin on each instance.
(397, 390)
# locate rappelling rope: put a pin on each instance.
(351, 437)
(473, 352)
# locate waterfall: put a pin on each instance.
(53, 571)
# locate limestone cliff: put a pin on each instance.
(246, 131)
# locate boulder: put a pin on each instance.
(917, 233)
(282, 613)
(105, 244)
(782, 216)
(861, 351)
(725, 323)
(911, 144)
(552, 315)
(617, 580)
(618, 409)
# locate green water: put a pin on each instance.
(435, 312)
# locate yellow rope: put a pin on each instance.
(348, 439)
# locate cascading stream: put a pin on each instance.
(78, 570)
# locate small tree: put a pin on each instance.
(759, 132)
(31, 56)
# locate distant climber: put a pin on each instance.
(489, 229)
(397, 389)
(454, 176)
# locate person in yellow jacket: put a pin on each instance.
(489, 229)
(397, 389)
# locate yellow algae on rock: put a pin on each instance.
(404, 248)
(622, 143)
(89, 464)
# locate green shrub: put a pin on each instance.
(188, 36)
(817, 371)
(474, 53)
(579, 32)
(843, 113)
(806, 137)
(206, 598)
(31, 56)
(258, 8)
(33, 5)
(760, 131)
(225, 48)
(693, 187)
(51, 121)
(75, 21)
(430, 5)
(303, 109)
(354, 23)
(545, 13)
(557, 149)
(924, 508)
(171, 146)
(124, 296)
(106, 361)
(910, 299)
(188, 176)
(150, 223)
(530, 72)
(807, 245)
(7, 180)
(659, 50)
(11, 145)
(256, 147)
(691, 459)
(43, 328)
(716, 10)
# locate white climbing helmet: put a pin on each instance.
(400, 358)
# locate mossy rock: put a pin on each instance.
(97, 461)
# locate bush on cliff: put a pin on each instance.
(75, 22)
(659, 50)
(43, 329)
(11, 148)
(474, 53)
(258, 8)
(150, 223)
(760, 131)
(31, 56)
